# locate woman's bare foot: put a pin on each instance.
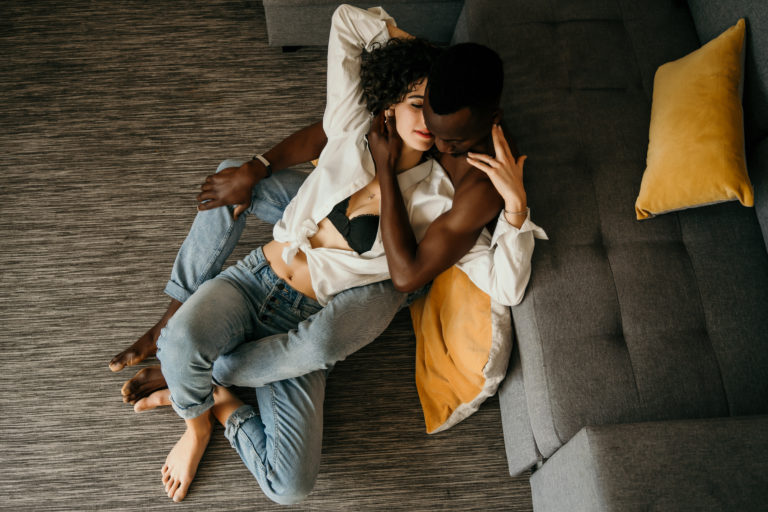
(159, 398)
(181, 464)
(146, 345)
(144, 383)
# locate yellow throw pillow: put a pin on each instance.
(463, 343)
(696, 138)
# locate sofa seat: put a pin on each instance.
(672, 465)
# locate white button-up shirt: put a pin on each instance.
(346, 166)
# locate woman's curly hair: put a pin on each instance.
(390, 70)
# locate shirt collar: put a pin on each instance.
(414, 175)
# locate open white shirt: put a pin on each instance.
(500, 266)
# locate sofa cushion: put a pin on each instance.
(696, 148)
(622, 320)
(676, 465)
(463, 342)
(711, 18)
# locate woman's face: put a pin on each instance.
(409, 119)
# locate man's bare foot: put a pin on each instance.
(181, 464)
(146, 345)
(144, 383)
(159, 398)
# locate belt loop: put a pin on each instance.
(297, 302)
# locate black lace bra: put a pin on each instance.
(359, 232)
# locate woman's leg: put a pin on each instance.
(211, 239)
(245, 302)
(281, 443)
(212, 321)
(350, 321)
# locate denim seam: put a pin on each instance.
(215, 254)
(276, 449)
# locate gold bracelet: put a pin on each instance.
(524, 212)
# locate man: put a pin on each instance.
(458, 127)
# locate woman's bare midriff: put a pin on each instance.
(296, 273)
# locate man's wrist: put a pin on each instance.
(264, 162)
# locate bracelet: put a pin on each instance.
(524, 212)
(266, 163)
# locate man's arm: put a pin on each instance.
(233, 186)
(413, 264)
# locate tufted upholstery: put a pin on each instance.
(623, 320)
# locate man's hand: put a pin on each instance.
(506, 174)
(231, 186)
(385, 143)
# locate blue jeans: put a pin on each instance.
(248, 301)
(286, 368)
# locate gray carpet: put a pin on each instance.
(111, 114)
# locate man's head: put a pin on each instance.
(462, 98)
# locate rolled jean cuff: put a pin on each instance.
(236, 420)
(176, 291)
(193, 411)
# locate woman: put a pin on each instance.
(327, 241)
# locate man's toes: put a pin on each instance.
(117, 363)
(128, 357)
(146, 381)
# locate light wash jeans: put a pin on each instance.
(280, 444)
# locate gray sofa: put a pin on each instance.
(642, 347)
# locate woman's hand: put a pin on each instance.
(385, 143)
(231, 186)
(506, 174)
(397, 33)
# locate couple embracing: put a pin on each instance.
(414, 176)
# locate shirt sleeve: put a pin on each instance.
(352, 30)
(511, 250)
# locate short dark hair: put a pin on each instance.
(466, 75)
(389, 71)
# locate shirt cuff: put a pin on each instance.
(504, 229)
(374, 28)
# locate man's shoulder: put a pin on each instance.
(475, 190)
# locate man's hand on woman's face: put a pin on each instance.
(384, 142)
(231, 186)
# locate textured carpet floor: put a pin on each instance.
(111, 114)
